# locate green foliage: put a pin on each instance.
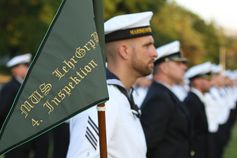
(231, 52)
(230, 150)
(201, 41)
(117, 7)
(175, 23)
(23, 24)
(212, 39)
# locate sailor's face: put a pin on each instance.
(176, 71)
(20, 70)
(144, 54)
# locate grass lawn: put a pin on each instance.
(231, 151)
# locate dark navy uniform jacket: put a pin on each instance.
(166, 124)
(7, 96)
(199, 123)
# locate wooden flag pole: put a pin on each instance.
(223, 57)
(99, 20)
(102, 130)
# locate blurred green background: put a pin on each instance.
(23, 24)
(230, 151)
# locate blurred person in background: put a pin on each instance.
(140, 89)
(18, 66)
(164, 118)
(199, 77)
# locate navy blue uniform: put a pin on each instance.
(166, 125)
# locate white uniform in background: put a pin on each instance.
(125, 137)
(139, 95)
(180, 91)
(212, 113)
(222, 103)
(140, 90)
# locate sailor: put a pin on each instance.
(130, 54)
(164, 118)
(200, 83)
(140, 89)
(18, 66)
(217, 113)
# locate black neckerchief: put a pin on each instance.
(112, 79)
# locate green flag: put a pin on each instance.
(66, 76)
(99, 19)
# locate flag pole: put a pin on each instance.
(99, 20)
(102, 130)
(223, 57)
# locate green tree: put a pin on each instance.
(23, 24)
(175, 23)
(116, 7)
(213, 39)
(231, 53)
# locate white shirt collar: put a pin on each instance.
(19, 79)
(198, 93)
(164, 84)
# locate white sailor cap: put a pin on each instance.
(216, 69)
(170, 51)
(128, 26)
(201, 70)
(19, 59)
(230, 74)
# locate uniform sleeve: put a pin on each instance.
(84, 136)
(157, 111)
(84, 129)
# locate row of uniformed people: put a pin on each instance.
(213, 117)
(166, 124)
(165, 128)
(219, 106)
(221, 111)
